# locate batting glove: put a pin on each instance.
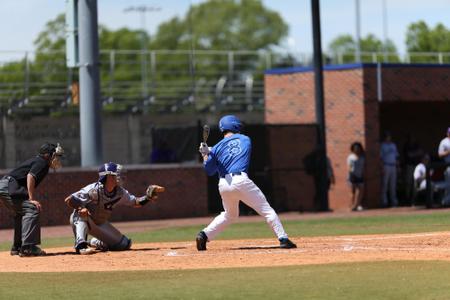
(204, 149)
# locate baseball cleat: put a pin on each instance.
(286, 243)
(201, 241)
(86, 251)
(98, 244)
(27, 251)
(15, 250)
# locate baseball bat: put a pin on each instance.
(205, 133)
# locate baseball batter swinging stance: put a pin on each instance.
(93, 206)
(230, 158)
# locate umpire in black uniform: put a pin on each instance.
(18, 194)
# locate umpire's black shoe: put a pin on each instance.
(201, 241)
(286, 243)
(15, 250)
(32, 250)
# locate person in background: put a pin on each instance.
(412, 156)
(444, 153)
(389, 160)
(356, 167)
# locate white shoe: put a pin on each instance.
(359, 208)
(98, 244)
(86, 251)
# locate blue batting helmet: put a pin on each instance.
(230, 123)
(107, 169)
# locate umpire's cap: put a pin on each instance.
(49, 148)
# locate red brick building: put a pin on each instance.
(361, 102)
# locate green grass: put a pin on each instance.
(438, 221)
(374, 280)
(382, 280)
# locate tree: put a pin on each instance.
(421, 38)
(223, 25)
(210, 25)
(343, 48)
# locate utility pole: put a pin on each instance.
(90, 102)
(321, 177)
(142, 10)
(385, 31)
(358, 32)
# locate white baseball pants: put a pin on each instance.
(241, 188)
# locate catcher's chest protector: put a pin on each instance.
(102, 204)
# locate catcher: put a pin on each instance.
(93, 206)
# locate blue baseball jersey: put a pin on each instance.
(230, 155)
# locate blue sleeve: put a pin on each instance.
(211, 164)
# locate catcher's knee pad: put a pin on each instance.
(124, 244)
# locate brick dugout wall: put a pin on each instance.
(185, 196)
(352, 111)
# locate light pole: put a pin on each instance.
(385, 31)
(358, 32)
(142, 10)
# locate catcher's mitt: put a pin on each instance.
(153, 191)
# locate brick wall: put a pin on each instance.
(344, 113)
(288, 99)
(416, 83)
(185, 196)
(353, 113)
(291, 149)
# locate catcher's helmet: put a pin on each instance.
(230, 123)
(107, 169)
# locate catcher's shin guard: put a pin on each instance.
(201, 241)
(124, 244)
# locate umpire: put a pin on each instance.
(18, 195)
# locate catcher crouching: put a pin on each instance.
(93, 206)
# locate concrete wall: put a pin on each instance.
(127, 139)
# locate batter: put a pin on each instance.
(230, 159)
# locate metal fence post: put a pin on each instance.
(153, 73)
(112, 66)
(374, 57)
(441, 58)
(230, 73)
(268, 60)
(379, 82)
(27, 76)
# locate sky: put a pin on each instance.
(22, 20)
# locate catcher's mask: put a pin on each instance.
(121, 175)
(107, 169)
(54, 152)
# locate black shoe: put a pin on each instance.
(201, 241)
(286, 243)
(15, 250)
(33, 250)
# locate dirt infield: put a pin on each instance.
(241, 253)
